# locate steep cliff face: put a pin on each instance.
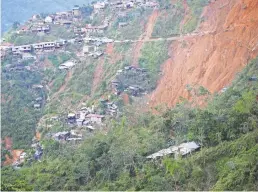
(227, 39)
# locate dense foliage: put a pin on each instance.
(226, 129)
(18, 117)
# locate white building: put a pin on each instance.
(182, 149)
(67, 65)
(95, 118)
(48, 19)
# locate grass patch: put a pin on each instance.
(153, 54)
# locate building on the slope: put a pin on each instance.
(21, 49)
(182, 150)
(95, 29)
(67, 65)
(28, 56)
(122, 24)
(89, 49)
(36, 86)
(37, 106)
(62, 136)
(95, 118)
(76, 11)
(48, 19)
(96, 54)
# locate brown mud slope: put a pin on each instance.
(144, 37)
(211, 59)
(113, 56)
(15, 156)
(98, 74)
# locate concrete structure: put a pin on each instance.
(67, 65)
(182, 149)
(48, 19)
(95, 118)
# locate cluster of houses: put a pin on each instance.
(43, 24)
(91, 48)
(124, 4)
(72, 135)
(110, 107)
(122, 81)
(43, 46)
(85, 117)
(179, 150)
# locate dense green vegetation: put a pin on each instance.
(226, 129)
(18, 117)
(196, 7)
(135, 19)
(168, 22)
(153, 54)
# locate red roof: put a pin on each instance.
(25, 28)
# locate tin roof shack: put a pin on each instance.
(75, 134)
(67, 65)
(99, 5)
(62, 136)
(96, 54)
(28, 56)
(89, 49)
(180, 150)
(95, 118)
(122, 24)
(95, 29)
(36, 86)
(71, 118)
(151, 4)
(37, 106)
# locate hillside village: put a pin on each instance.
(90, 40)
(131, 95)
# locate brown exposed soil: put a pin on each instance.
(144, 37)
(113, 56)
(8, 143)
(125, 97)
(97, 75)
(227, 41)
(15, 155)
(38, 135)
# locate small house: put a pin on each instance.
(99, 5)
(182, 149)
(48, 19)
(253, 78)
(36, 106)
(88, 49)
(61, 135)
(75, 133)
(37, 86)
(76, 11)
(28, 56)
(122, 24)
(67, 65)
(95, 118)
